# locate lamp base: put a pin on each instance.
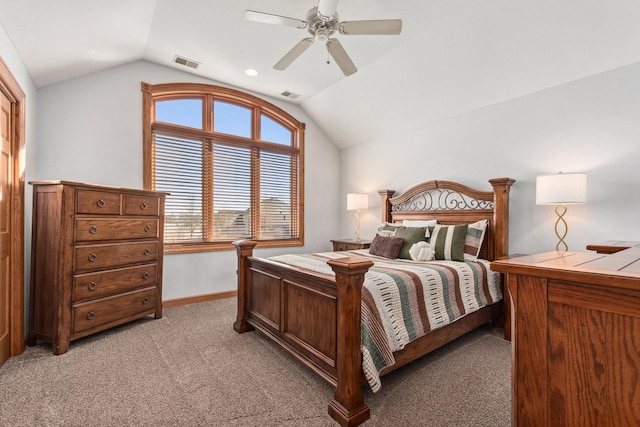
(561, 209)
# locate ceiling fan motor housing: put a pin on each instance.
(319, 28)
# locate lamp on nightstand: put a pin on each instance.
(560, 190)
(356, 202)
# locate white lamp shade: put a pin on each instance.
(357, 201)
(562, 188)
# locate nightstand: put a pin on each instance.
(350, 244)
(612, 246)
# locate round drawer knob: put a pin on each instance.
(91, 315)
(147, 228)
(93, 229)
(100, 203)
(143, 206)
(92, 286)
(145, 275)
(93, 257)
(145, 300)
(146, 252)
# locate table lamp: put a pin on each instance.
(356, 202)
(560, 190)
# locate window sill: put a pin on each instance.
(194, 247)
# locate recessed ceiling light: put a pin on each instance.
(251, 72)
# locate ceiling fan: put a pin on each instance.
(322, 22)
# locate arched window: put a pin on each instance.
(231, 162)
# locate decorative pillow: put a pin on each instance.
(411, 235)
(420, 223)
(386, 233)
(421, 251)
(389, 226)
(448, 241)
(394, 226)
(473, 242)
(387, 247)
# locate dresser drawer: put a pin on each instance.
(120, 308)
(96, 257)
(141, 205)
(102, 284)
(115, 229)
(97, 202)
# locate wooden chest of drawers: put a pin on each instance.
(96, 259)
(575, 322)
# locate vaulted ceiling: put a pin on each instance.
(452, 55)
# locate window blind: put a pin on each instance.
(277, 217)
(178, 170)
(190, 169)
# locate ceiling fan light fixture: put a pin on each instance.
(322, 34)
(252, 72)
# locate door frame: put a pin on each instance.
(11, 89)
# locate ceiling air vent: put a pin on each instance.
(186, 62)
(290, 95)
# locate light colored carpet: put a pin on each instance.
(191, 369)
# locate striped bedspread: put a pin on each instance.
(403, 300)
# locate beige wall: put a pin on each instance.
(90, 130)
(591, 125)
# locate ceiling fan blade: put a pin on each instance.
(291, 56)
(373, 27)
(341, 57)
(269, 18)
(326, 9)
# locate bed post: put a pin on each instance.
(385, 195)
(501, 187)
(348, 407)
(244, 249)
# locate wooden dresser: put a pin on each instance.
(575, 338)
(96, 259)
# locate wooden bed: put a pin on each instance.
(276, 299)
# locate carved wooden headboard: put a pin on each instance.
(453, 203)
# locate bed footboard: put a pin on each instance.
(316, 318)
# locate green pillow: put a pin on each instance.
(448, 241)
(411, 236)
